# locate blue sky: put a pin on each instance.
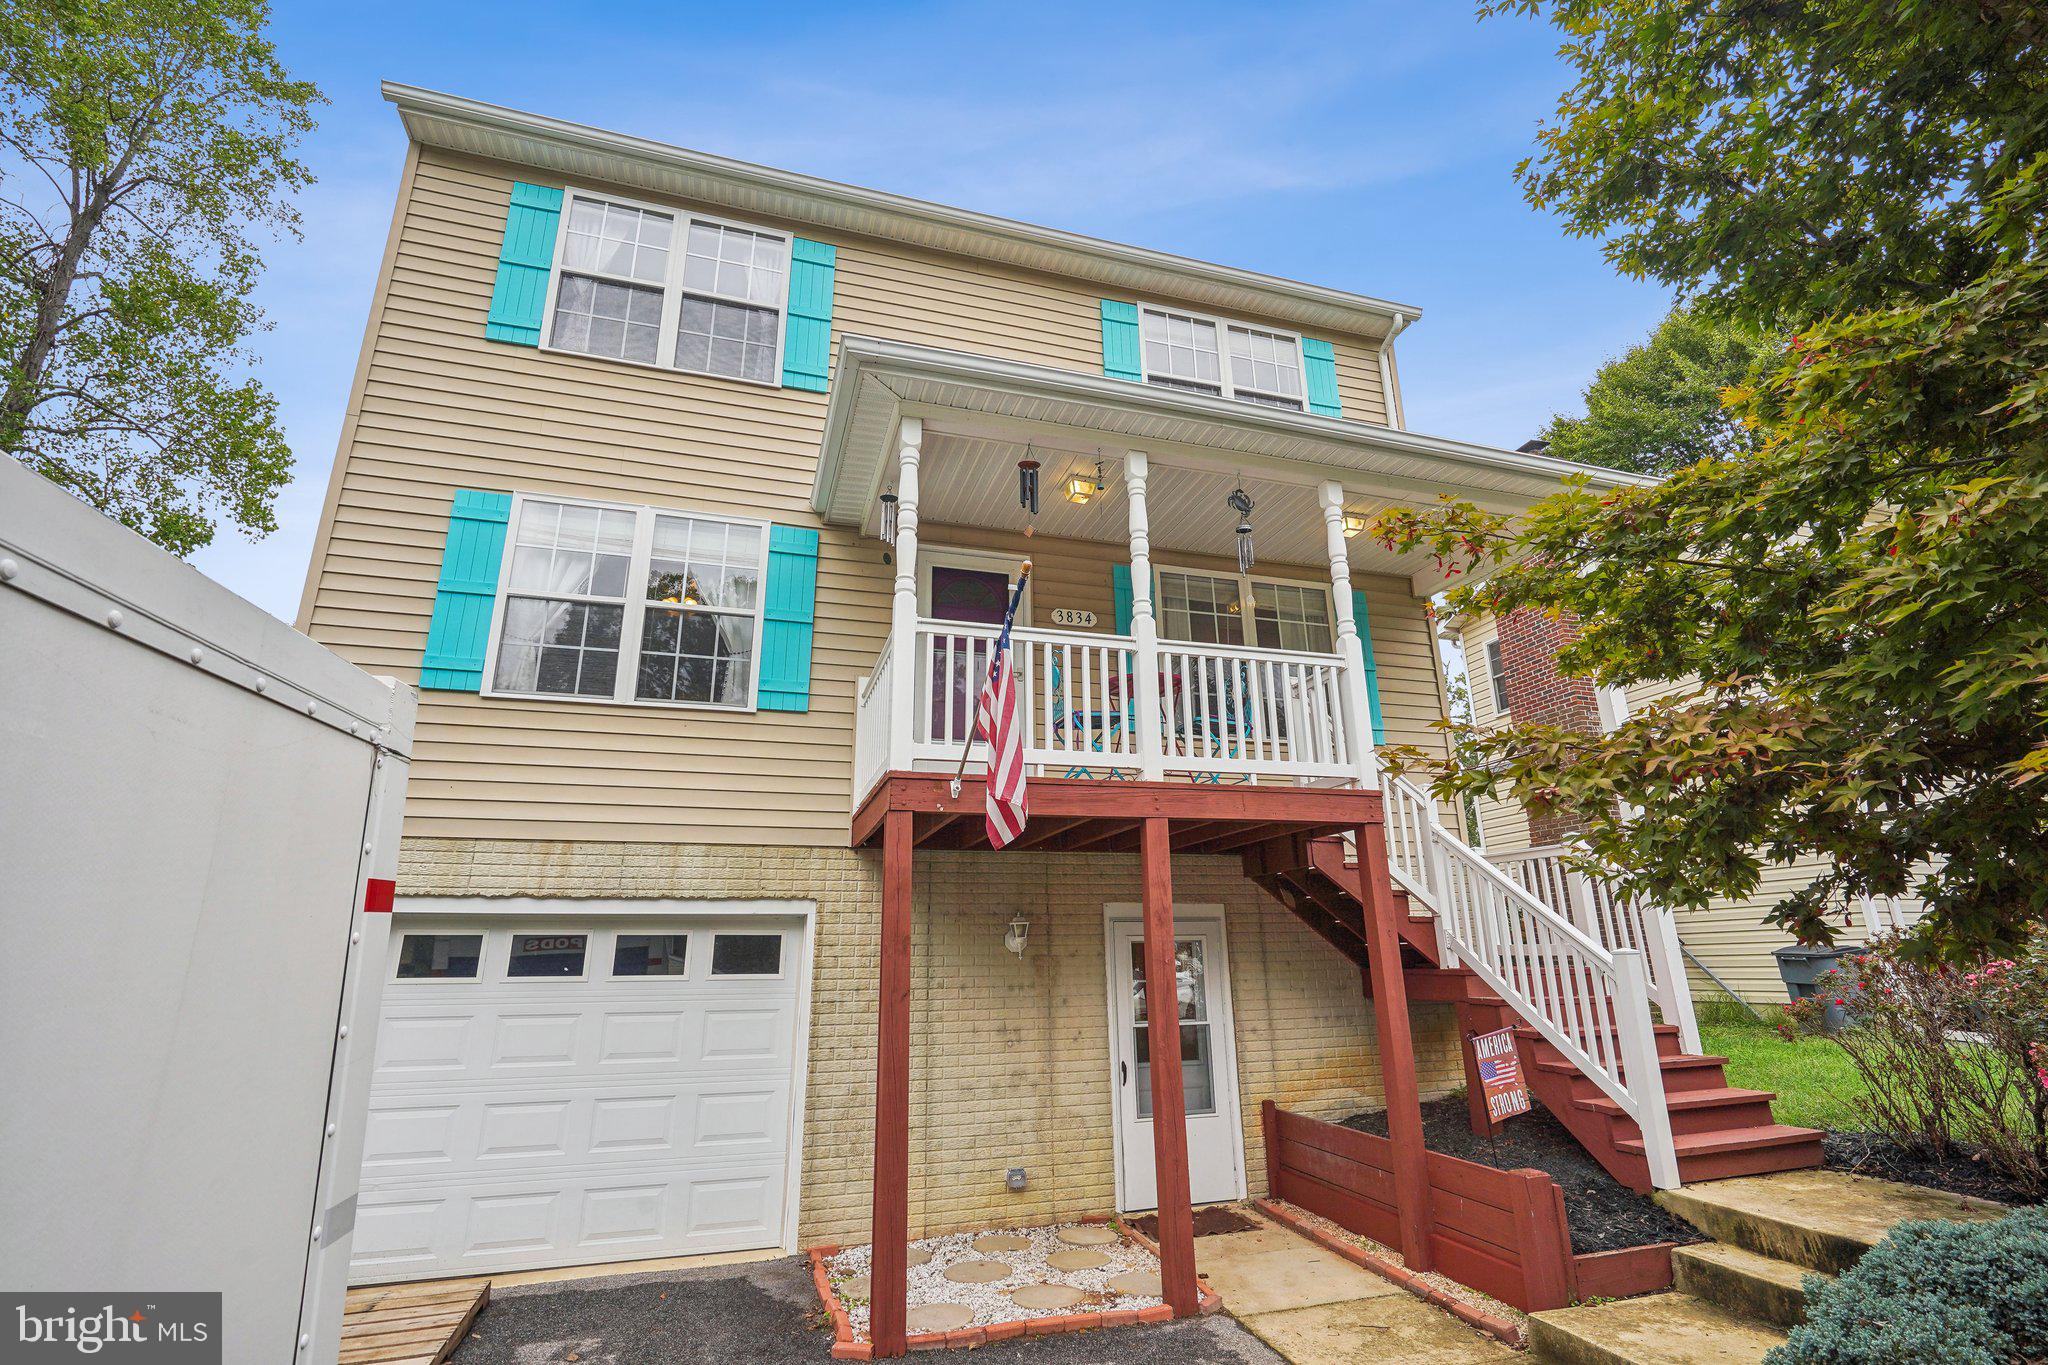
(1364, 146)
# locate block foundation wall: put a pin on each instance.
(1009, 1054)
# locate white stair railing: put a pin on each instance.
(1613, 920)
(1588, 1001)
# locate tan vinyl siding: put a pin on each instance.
(439, 408)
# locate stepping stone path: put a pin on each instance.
(855, 1288)
(1080, 1258)
(977, 1272)
(1088, 1235)
(938, 1317)
(917, 1256)
(1001, 1241)
(1137, 1283)
(1046, 1296)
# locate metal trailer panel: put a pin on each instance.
(192, 799)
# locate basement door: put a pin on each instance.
(570, 1090)
(1208, 1063)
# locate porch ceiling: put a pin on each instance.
(980, 412)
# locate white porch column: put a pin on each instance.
(1144, 625)
(1357, 711)
(903, 607)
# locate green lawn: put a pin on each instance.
(1813, 1078)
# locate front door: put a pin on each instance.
(1208, 1064)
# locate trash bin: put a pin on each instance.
(1801, 970)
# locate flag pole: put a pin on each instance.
(1002, 643)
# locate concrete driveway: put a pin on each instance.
(768, 1312)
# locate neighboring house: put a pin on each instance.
(1511, 669)
(689, 492)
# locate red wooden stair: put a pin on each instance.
(1718, 1130)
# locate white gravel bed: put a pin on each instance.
(991, 1303)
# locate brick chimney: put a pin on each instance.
(1538, 694)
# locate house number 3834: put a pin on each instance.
(1069, 616)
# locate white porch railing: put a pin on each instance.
(1223, 712)
(1589, 1001)
(1612, 920)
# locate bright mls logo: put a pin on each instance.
(167, 1329)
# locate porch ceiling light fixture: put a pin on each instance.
(1080, 488)
(1019, 931)
(1354, 522)
(1240, 502)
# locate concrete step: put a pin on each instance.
(1821, 1220)
(1762, 1288)
(1657, 1329)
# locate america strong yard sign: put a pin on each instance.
(1500, 1074)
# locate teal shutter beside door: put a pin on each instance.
(520, 297)
(1120, 359)
(1363, 617)
(788, 618)
(1321, 359)
(807, 336)
(461, 627)
(1120, 594)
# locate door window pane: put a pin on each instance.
(651, 955)
(547, 954)
(746, 954)
(426, 957)
(1192, 993)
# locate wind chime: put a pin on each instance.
(1240, 502)
(1027, 490)
(888, 532)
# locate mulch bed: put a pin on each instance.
(1209, 1222)
(1603, 1213)
(1873, 1154)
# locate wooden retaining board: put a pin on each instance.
(409, 1324)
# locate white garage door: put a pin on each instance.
(562, 1092)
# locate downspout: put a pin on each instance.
(1396, 418)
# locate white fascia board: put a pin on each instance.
(489, 129)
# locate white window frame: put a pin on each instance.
(1226, 389)
(672, 290)
(1496, 674)
(635, 604)
(483, 951)
(1246, 605)
(513, 936)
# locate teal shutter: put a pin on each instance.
(807, 336)
(461, 627)
(791, 609)
(1120, 593)
(1363, 617)
(1120, 341)
(1321, 359)
(521, 293)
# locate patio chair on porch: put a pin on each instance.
(1099, 725)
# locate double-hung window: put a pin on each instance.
(628, 604)
(654, 286)
(1497, 677)
(1213, 608)
(1227, 359)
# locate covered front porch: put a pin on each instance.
(1212, 698)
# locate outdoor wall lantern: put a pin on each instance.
(1020, 930)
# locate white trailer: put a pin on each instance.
(199, 817)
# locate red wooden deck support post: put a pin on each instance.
(890, 1225)
(1397, 1049)
(1476, 1116)
(1169, 1102)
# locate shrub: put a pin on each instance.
(1948, 1057)
(1940, 1293)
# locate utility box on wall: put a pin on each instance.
(199, 820)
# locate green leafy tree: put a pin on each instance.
(1865, 593)
(144, 147)
(1658, 406)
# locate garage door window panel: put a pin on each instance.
(746, 955)
(439, 957)
(651, 955)
(548, 955)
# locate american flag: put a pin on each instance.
(996, 720)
